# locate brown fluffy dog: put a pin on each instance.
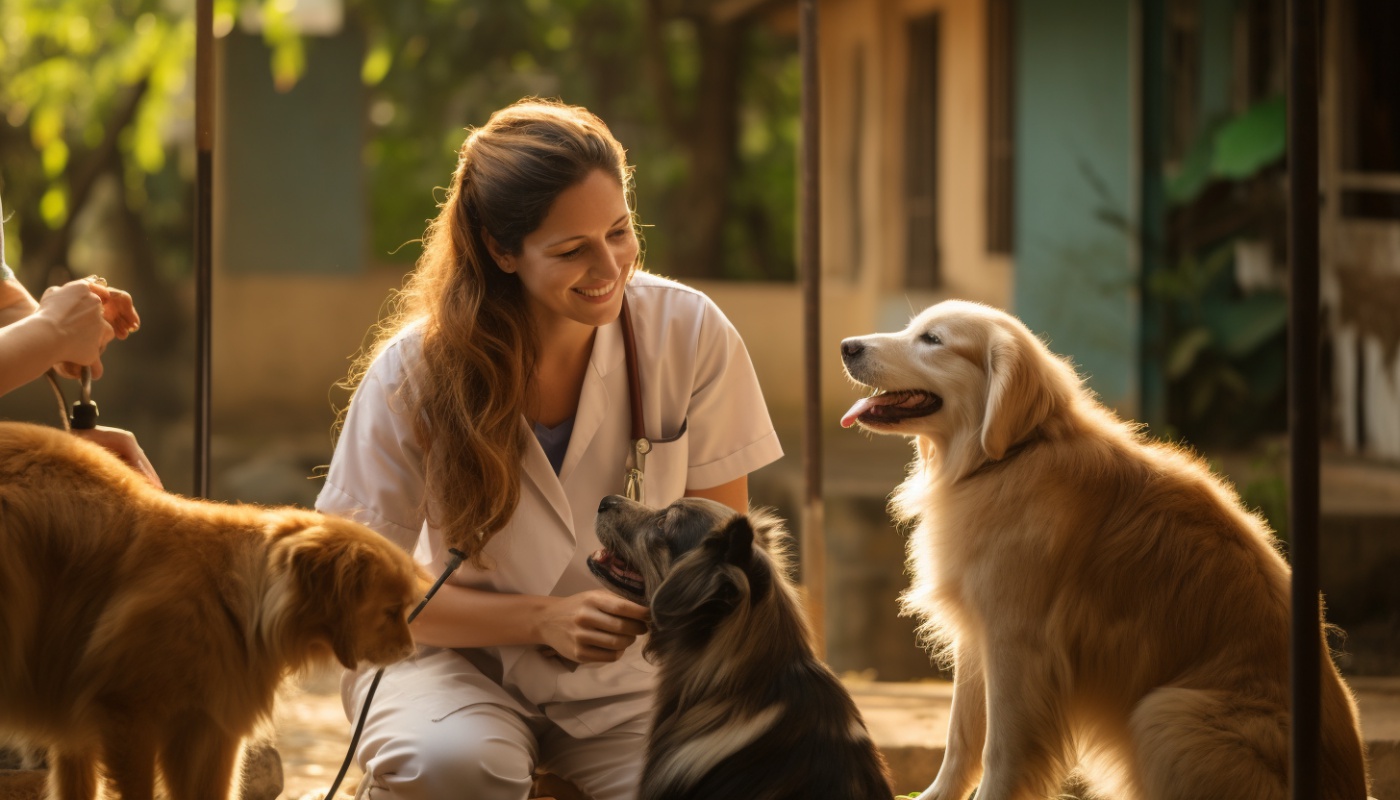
(146, 632)
(1105, 599)
(744, 707)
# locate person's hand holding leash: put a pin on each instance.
(592, 626)
(117, 307)
(77, 311)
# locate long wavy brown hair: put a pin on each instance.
(478, 347)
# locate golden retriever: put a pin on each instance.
(149, 633)
(744, 709)
(1104, 599)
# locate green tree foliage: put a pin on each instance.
(706, 107)
(88, 87)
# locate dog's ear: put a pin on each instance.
(692, 602)
(737, 538)
(328, 572)
(1018, 398)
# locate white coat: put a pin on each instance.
(698, 387)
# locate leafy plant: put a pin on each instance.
(1222, 349)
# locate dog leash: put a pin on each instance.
(452, 564)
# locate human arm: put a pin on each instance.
(734, 494)
(68, 326)
(592, 626)
(15, 301)
(118, 311)
(67, 330)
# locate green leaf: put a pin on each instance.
(1242, 326)
(1194, 174)
(377, 62)
(55, 157)
(53, 207)
(1185, 350)
(1202, 395)
(1232, 380)
(1251, 141)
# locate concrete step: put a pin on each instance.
(909, 722)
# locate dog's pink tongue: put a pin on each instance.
(861, 406)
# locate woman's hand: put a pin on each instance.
(119, 310)
(123, 445)
(592, 626)
(77, 313)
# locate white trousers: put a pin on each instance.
(438, 729)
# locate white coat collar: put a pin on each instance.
(594, 403)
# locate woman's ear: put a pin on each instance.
(503, 259)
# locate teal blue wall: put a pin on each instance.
(293, 194)
(1076, 276)
(1217, 22)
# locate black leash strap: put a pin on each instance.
(453, 563)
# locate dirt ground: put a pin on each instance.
(312, 735)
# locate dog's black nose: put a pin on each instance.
(611, 501)
(850, 348)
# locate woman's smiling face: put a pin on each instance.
(575, 264)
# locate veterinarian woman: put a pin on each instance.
(494, 416)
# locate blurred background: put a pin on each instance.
(1112, 171)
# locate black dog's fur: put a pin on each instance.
(745, 708)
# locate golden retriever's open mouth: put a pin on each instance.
(890, 407)
(620, 575)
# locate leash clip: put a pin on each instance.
(634, 479)
(84, 414)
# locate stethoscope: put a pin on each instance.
(634, 485)
(634, 488)
(634, 474)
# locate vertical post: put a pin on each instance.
(1152, 204)
(203, 260)
(1303, 380)
(809, 267)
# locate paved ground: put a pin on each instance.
(908, 720)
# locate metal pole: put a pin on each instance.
(203, 261)
(1152, 196)
(809, 267)
(1304, 376)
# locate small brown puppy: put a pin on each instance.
(744, 707)
(147, 632)
(1106, 600)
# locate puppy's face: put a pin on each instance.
(694, 562)
(958, 370)
(642, 544)
(353, 590)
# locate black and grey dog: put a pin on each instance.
(745, 708)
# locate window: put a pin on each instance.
(1370, 120)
